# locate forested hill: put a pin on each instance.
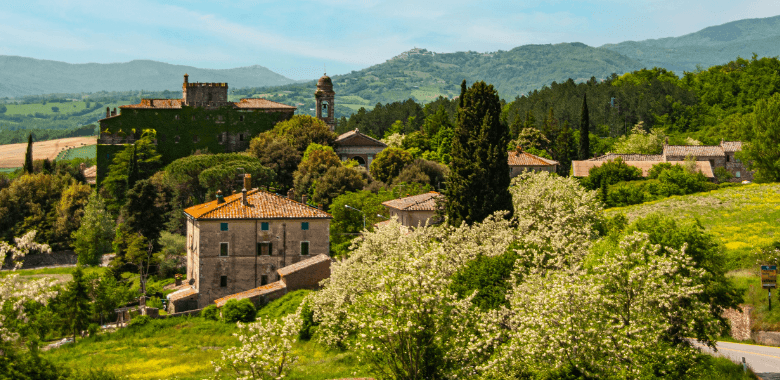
(424, 75)
(711, 46)
(21, 76)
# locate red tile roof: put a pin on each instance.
(528, 159)
(629, 157)
(421, 202)
(365, 139)
(262, 205)
(302, 264)
(582, 168)
(155, 104)
(260, 103)
(693, 150)
(265, 289)
(731, 146)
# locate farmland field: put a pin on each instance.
(87, 151)
(12, 155)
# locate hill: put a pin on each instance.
(710, 46)
(743, 218)
(21, 76)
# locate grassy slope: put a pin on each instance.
(183, 348)
(743, 218)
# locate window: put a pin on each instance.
(264, 248)
(241, 118)
(264, 226)
(241, 137)
(305, 226)
(304, 248)
(221, 138)
(728, 158)
(738, 174)
(223, 281)
(263, 280)
(712, 163)
(223, 249)
(176, 117)
(223, 226)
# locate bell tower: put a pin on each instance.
(325, 98)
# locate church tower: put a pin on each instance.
(325, 98)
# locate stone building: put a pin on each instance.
(325, 99)
(357, 146)
(416, 210)
(520, 161)
(708, 159)
(203, 119)
(238, 242)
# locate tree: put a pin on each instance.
(77, 303)
(762, 151)
(312, 168)
(423, 172)
(147, 162)
(28, 157)
(265, 349)
(336, 181)
(93, 238)
(55, 109)
(640, 141)
(479, 172)
(613, 171)
(277, 154)
(388, 163)
(132, 171)
(564, 149)
(145, 210)
(302, 130)
(70, 210)
(584, 152)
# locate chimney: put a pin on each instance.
(319, 206)
(108, 112)
(304, 198)
(666, 142)
(247, 181)
(151, 102)
(220, 198)
(244, 199)
(290, 194)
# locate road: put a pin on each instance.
(764, 360)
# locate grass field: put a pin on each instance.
(12, 155)
(64, 108)
(88, 151)
(184, 347)
(744, 218)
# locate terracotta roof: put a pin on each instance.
(262, 205)
(731, 146)
(302, 264)
(629, 157)
(528, 159)
(693, 150)
(422, 202)
(582, 168)
(260, 103)
(155, 104)
(357, 134)
(182, 293)
(265, 289)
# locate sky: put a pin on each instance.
(301, 39)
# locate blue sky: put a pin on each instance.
(297, 38)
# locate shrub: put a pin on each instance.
(211, 312)
(140, 320)
(612, 172)
(239, 311)
(93, 329)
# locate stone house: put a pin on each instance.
(520, 161)
(357, 146)
(237, 243)
(416, 210)
(582, 168)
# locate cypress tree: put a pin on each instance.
(603, 191)
(564, 149)
(584, 130)
(132, 171)
(28, 157)
(479, 171)
(77, 302)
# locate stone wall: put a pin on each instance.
(740, 322)
(44, 260)
(308, 277)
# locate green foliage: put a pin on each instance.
(93, 238)
(275, 153)
(77, 303)
(28, 157)
(423, 172)
(226, 176)
(146, 209)
(285, 305)
(762, 152)
(722, 175)
(389, 163)
(139, 321)
(172, 254)
(239, 311)
(146, 162)
(28, 365)
(312, 168)
(303, 130)
(479, 172)
(640, 141)
(336, 181)
(612, 172)
(584, 151)
(489, 276)
(210, 312)
(313, 147)
(668, 180)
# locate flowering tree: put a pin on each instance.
(392, 298)
(625, 318)
(264, 352)
(15, 293)
(640, 141)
